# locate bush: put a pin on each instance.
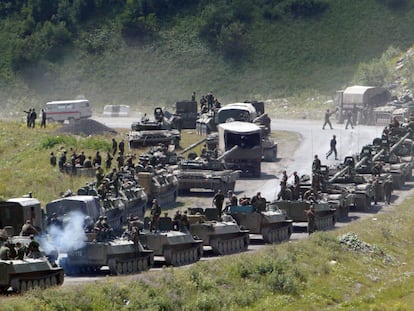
(305, 8)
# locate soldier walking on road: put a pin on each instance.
(327, 121)
(333, 148)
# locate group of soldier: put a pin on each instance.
(289, 192)
(207, 102)
(31, 116)
(257, 201)
(11, 251)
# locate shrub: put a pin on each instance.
(305, 8)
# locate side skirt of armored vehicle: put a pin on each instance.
(272, 225)
(224, 237)
(23, 275)
(295, 210)
(207, 179)
(122, 256)
(178, 248)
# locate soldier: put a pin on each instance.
(5, 251)
(332, 148)
(388, 188)
(244, 200)
(218, 201)
(52, 159)
(258, 202)
(99, 175)
(310, 214)
(62, 161)
(114, 146)
(121, 147)
(376, 189)
(316, 165)
(28, 114)
(108, 161)
(43, 116)
(349, 116)
(296, 186)
(284, 177)
(33, 117)
(177, 221)
(327, 121)
(285, 193)
(28, 229)
(193, 97)
(231, 199)
(81, 158)
(155, 214)
(120, 160)
(97, 161)
(88, 162)
(33, 250)
(20, 251)
(377, 169)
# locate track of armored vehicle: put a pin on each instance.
(223, 235)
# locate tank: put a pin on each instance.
(153, 132)
(22, 275)
(121, 255)
(296, 210)
(224, 236)
(205, 173)
(177, 247)
(272, 223)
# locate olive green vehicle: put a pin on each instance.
(223, 235)
(296, 210)
(177, 247)
(121, 255)
(272, 223)
(22, 275)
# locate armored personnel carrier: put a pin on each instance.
(152, 132)
(272, 224)
(223, 235)
(23, 275)
(158, 183)
(121, 255)
(177, 247)
(296, 210)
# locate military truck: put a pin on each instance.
(272, 223)
(152, 132)
(361, 101)
(223, 234)
(177, 247)
(241, 144)
(121, 255)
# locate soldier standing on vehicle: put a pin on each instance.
(316, 165)
(28, 229)
(258, 202)
(33, 250)
(5, 251)
(296, 186)
(43, 116)
(332, 148)
(349, 122)
(218, 201)
(155, 215)
(20, 251)
(328, 114)
(388, 188)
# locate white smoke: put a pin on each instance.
(71, 236)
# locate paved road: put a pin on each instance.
(313, 140)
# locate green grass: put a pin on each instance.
(288, 58)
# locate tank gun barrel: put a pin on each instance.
(233, 149)
(395, 146)
(192, 146)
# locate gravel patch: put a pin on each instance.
(86, 127)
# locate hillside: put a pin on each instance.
(236, 49)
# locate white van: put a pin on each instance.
(62, 110)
